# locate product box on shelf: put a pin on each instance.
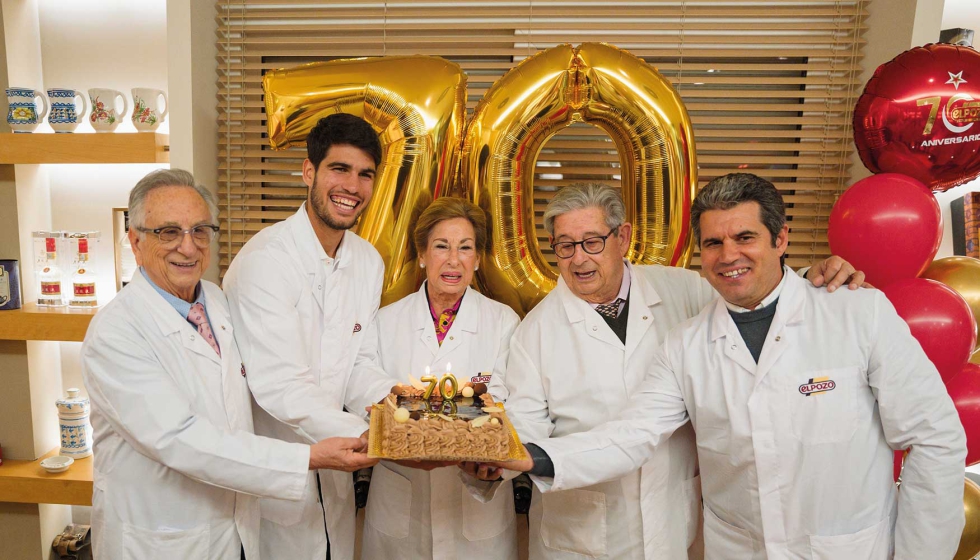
(83, 247)
(48, 267)
(63, 268)
(9, 285)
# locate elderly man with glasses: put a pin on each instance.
(574, 362)
(177, 468)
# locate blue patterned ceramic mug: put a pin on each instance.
(23, 115)
(64, 115)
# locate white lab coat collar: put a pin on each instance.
(642, 294)
(790, 310)
(467, 320)
(467, 317)
(308, 244)
(167, 318)
(169, 321)
(773, 295)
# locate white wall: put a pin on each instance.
(964, 14)
(115, 44)
(118, 44)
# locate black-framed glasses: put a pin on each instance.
(172, 235)
(591, 245)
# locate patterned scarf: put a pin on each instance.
(443, 321)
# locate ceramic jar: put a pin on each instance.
(76, 432)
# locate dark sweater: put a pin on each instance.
(754, 326)
(618, 325)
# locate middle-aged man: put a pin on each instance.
(797, 398)
(576, 359)
(303, 295)
(177, 467)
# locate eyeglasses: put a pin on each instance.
(591, 245)
(172, 235)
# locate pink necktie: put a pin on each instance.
(197, 317)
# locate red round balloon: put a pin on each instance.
(919, 115)
(939, 318)
(965, 391)
(888, 226)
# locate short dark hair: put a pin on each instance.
(342, 129)
(728, 191)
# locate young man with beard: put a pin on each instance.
(303, 295)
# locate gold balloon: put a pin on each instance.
(597, 84)
(970, 541)
(417, 103)
(962, 274)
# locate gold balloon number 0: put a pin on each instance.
(417, 103)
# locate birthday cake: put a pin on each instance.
(413, 423)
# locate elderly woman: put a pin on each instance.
(414, 513)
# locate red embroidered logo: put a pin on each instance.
(357, 327)
(243, 370)
(817, 385)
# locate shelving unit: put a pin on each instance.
(42, 188)
(45, 323)
(26, 482)
(36, 148)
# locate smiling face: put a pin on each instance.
(340, 188)
(738, 255)
(450, 259)
(176, 267)
(594, 278)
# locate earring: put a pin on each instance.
(421, 265)
(476, 268)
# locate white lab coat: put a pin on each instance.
(417, 514)
(788, 473)
(569, 372)
(305, 327)
(175, 457)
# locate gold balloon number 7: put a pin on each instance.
(417, 103)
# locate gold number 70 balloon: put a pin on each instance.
(417, 104)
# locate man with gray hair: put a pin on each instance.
(576, 359)
(798, 399)
(177, 468)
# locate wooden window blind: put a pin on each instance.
(770, 86)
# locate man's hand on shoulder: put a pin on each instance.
(834, 272)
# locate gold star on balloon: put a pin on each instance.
(955, 79)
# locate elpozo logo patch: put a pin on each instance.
(817, 385)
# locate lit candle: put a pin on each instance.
(427, 372)
(449, 367)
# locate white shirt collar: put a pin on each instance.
(773, 296)
(624, 287)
